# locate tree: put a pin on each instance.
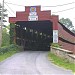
(5, 37)
(67, 23)
(1, 24)
(73, 30)
(4, 13)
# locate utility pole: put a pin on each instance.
(1, 23)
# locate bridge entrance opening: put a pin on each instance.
(34, 35)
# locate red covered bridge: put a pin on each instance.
(36, 30)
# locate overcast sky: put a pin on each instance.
(65, 14)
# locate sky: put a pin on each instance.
(54, 10)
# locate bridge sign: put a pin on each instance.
(32, 18)
(33, 14)
(55, 36)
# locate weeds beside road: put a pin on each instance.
(61, 62)
(8, 51)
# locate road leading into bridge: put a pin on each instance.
(30, 63)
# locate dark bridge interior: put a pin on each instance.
(34, 35)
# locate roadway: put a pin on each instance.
(31, 63)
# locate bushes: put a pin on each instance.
(9, 48)
(8, 51)
(55, 45)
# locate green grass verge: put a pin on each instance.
(61, 62)
(6, 55)
(8, 51)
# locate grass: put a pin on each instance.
(55, 45)
(6, 55)
(8, 51)
(61, 62)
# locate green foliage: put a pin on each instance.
(5, 37)
(6, 55)
(61, 62)
(55, 45)
(4, 14)
(8, 51)
(9, 48)
(73, 30)
(12, 33)
(67, 23)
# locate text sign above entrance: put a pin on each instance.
(33, 18)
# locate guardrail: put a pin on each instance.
(66, 54)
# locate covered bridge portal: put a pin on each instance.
(35, 29)
(34, 35)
